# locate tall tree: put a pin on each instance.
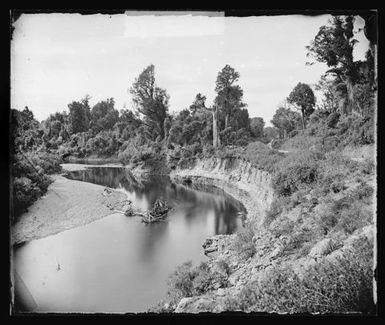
(229, 96)
(333, 45)
(199, 102)
(303, 98)
(104, 116)
(79, 121)
(151, 101)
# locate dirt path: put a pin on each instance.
(67, 204)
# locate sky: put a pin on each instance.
(59, 58)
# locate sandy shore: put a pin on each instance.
(67, 204)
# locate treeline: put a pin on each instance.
(150, 133)
(104, 131)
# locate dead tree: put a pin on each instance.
(216, 138)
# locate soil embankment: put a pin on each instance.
(249, 185)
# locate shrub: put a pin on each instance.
(262, 157)
(294, 171)
(243, 243)
(278, 205)
(347, 213)
(331, 286)
(208, 151)
(29, 178)
(187, 281)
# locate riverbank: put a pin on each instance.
(250, 186)
(268, 249)
(67, 204)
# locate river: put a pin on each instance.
(119, 264)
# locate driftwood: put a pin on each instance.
(157, 213)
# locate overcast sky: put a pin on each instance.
(59, 58)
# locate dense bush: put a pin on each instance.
(29, 178)
(261, 156)
(187, 281)
(331, 286)
(296, 170)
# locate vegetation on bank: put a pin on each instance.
(320, 191)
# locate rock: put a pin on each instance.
(210, 245)
(322, 248)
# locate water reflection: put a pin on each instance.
(118, 264)
(194, 203)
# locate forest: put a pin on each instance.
(149, 133)
(302, 150)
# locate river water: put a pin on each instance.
(117, 263)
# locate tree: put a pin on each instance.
(333, 45)
(270, 132)
(197, 105)
(303, 97)
(151, 101)
(240, 119)
(285, 120)
(256, 126)
(229, 96)
(79, 121)
(104, 116)
(328, 87)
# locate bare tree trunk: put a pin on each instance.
(216, 139)
(303, 119)
(350, 93)
(226, 121)
(216, 121)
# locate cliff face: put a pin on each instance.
(251, 186)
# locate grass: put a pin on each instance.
(243, 243)
(339, 286)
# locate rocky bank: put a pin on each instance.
(253, 188)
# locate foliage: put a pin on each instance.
(257, 125)
(150, 101)
(303, 97)
(105, 143)
(243, 243)
(104, 116)
(187, 281)
(29, 178)
(229, 100)
(339, 286)
(79, 116)
(295, 171)
(285, 120)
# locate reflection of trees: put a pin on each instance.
(194, 203)
(225, 218)
(153, 235)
